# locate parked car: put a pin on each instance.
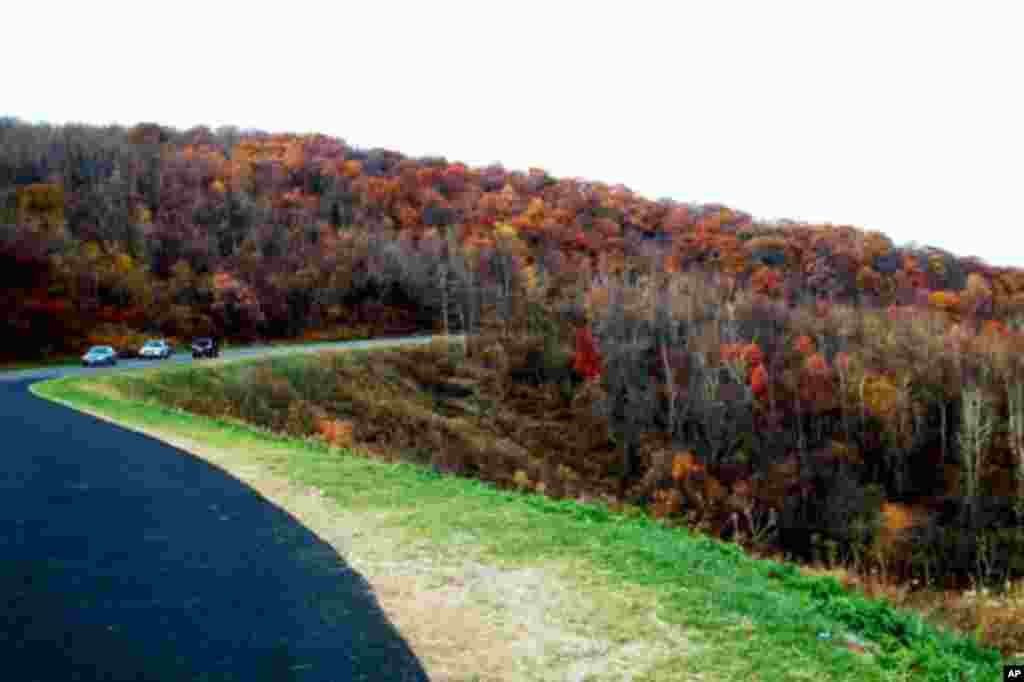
(99, 355)
(205, 348)
(155, 348)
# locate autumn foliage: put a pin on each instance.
(337, 432)
(586, 361)
(759, 380)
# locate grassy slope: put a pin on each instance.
(744, 616)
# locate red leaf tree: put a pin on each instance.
(586, 361)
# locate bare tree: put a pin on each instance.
(1015, 428)
(976, 428)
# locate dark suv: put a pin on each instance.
(205, 348)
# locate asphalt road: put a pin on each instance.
(186, 357)
(123, 558)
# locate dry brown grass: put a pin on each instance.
(394, 406)
(997, 619)
(102, 388)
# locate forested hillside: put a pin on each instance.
(816, 387)
(151, 229)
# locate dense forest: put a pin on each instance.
(247, 234)
(817, 384)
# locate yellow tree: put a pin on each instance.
(41, 202)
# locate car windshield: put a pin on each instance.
(153, 344)
(97, 350)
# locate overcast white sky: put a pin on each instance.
(899, 116)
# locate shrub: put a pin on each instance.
(684, 465)
(302, 418)
(337, 432)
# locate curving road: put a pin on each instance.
(123, 558)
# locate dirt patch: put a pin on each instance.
(464, 619)
(101, 388)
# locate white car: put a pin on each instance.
(156, 348)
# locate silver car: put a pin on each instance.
(99, 355)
